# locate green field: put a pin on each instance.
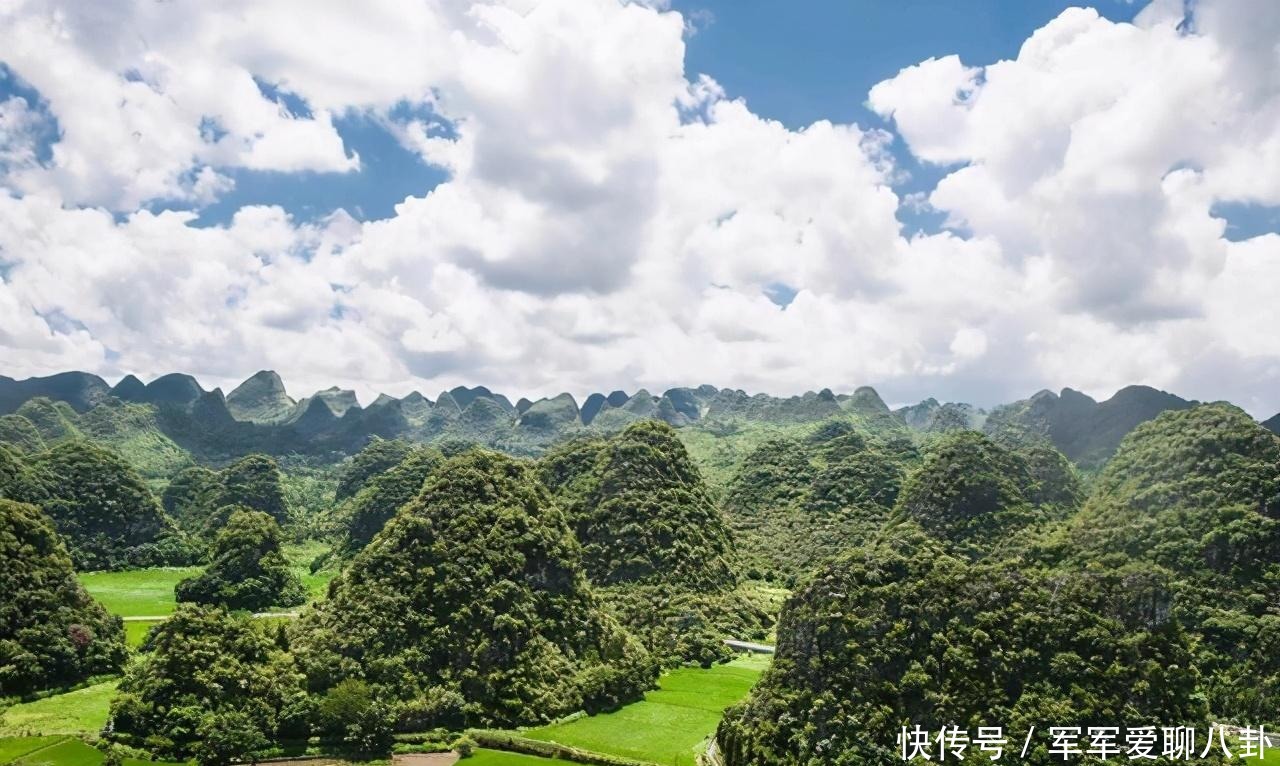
(135, 632)
(83, 711)
(300, 556)
(57, 751)
(499, 758)
(13, 748)
(149, 592)
(139, 592)
(671, 726)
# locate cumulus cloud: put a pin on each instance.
(610, 219)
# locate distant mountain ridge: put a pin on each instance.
(260, 415)
(1086, 431)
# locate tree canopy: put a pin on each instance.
(52, 633)
(212, 685)
(642, 511)
(384, 494)
(378, 455)
(103, 509)
(475, 590)
(248, 570)
(902, 633)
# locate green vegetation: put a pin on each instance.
(471, 604)
(653, 540)
(135, 632)
(797, 501)
(137, 592)
(931, 573)
(1152, 602)
(83, 711)
(1087, 432)
(253, 482)
(641, 510)
(202, 501)
(13, 748)
(301, 557)
(67, 752)
(970, 492)
(213, 685)
(484, 757)
(100, 505)
(52, 633)
(20, 433)
(378, 456)
(61, 751)
(671, 725)
(967, 642)
(382, 494)
(1197, 492)
(248, 570)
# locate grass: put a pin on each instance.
(135, 632)
(671, 726)
(149, 592)
(68, 752)
(139, 592)
(300, 556)
(58, 751)
(499, 758)
(13, 748)
(83, 711)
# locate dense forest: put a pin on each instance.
(1054, 561)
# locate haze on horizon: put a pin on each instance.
(547, 196)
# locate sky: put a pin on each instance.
(972, 201)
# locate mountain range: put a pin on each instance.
(259, 414)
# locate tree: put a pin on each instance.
(227, 737)
(901, 632)
(104, 510)
(654, 541)
(254, 482)
(20, 433)
(209, 674)
(644, 514)
(378, 455)
(970, 492)
(384, 494)
(476, 586)
(352, 712)
(188, 496)
(52, 633)
(248, 570)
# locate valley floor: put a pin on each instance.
(670, 727)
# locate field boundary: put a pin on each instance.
(515, 743)
(38, 750)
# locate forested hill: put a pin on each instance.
(161, 422)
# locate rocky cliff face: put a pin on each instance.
(261, 399)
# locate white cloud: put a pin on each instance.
(612, 220)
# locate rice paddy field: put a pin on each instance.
(138, 592)
(57, 751)
(673, 723)
(499, 758)
(83, 711)
(148, 593)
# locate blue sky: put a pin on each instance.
(820, 58)
(815, 60)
